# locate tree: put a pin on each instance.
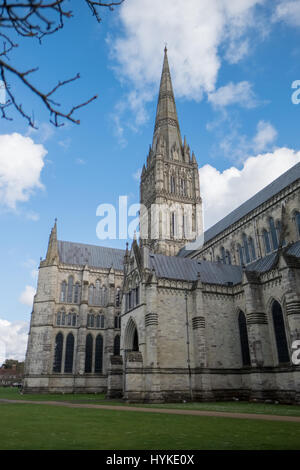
(36, 19)
(13, 364)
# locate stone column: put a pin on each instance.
(82, 331)
(202, 382)
(110, 332)
(151, 359)
(258, 336)
(257, 324)
(198, 325)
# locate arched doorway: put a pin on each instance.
(131, 338)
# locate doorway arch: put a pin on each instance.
(131, 338)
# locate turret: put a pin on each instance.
(52, 251)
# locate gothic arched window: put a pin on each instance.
(100, 321)
(117, 321)
(172, 184)
(58, 352)
(246, 248)
(70, 289)
(63, 318)
(241, 254)
(244, 340)
(183, 187)
(280, 335)
(252, 248)
(99, 354)
(63, 292)
(297, 221)
(74, 319)
(88, 353)
(273, 233)
(91, 320)
(266, 241)
(117, 345)
(58, 319)
(77, 293)
(173, 224)
(69, 353)
(228, 257)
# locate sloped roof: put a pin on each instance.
(185, 269)
(173, 267)
(91, 255)
(287, 178)
(263, 265)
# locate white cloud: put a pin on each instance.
(266, 134)
(239, 147)
(27, 295)
(289, 12)
(21, 163)
(234, 93)
(223, 191)
(199, 36)
(194, 31)
(13, 340)
(236, 52)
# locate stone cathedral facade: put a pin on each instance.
(182, 314)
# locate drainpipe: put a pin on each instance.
(188, 346)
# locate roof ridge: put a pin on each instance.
(291, 170)
(89, 244)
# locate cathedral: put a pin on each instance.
(182, 314)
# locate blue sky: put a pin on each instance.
(232, 64)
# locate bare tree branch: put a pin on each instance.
(37, 19)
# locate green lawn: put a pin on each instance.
(99, 399)
(30, 426)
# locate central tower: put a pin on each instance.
(171, 206)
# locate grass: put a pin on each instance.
(99, 399)
(30, 426)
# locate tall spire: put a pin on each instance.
(166, 122)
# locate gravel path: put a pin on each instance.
(217, 414)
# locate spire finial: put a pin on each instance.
(166, 47)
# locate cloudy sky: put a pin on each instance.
(234, 65)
